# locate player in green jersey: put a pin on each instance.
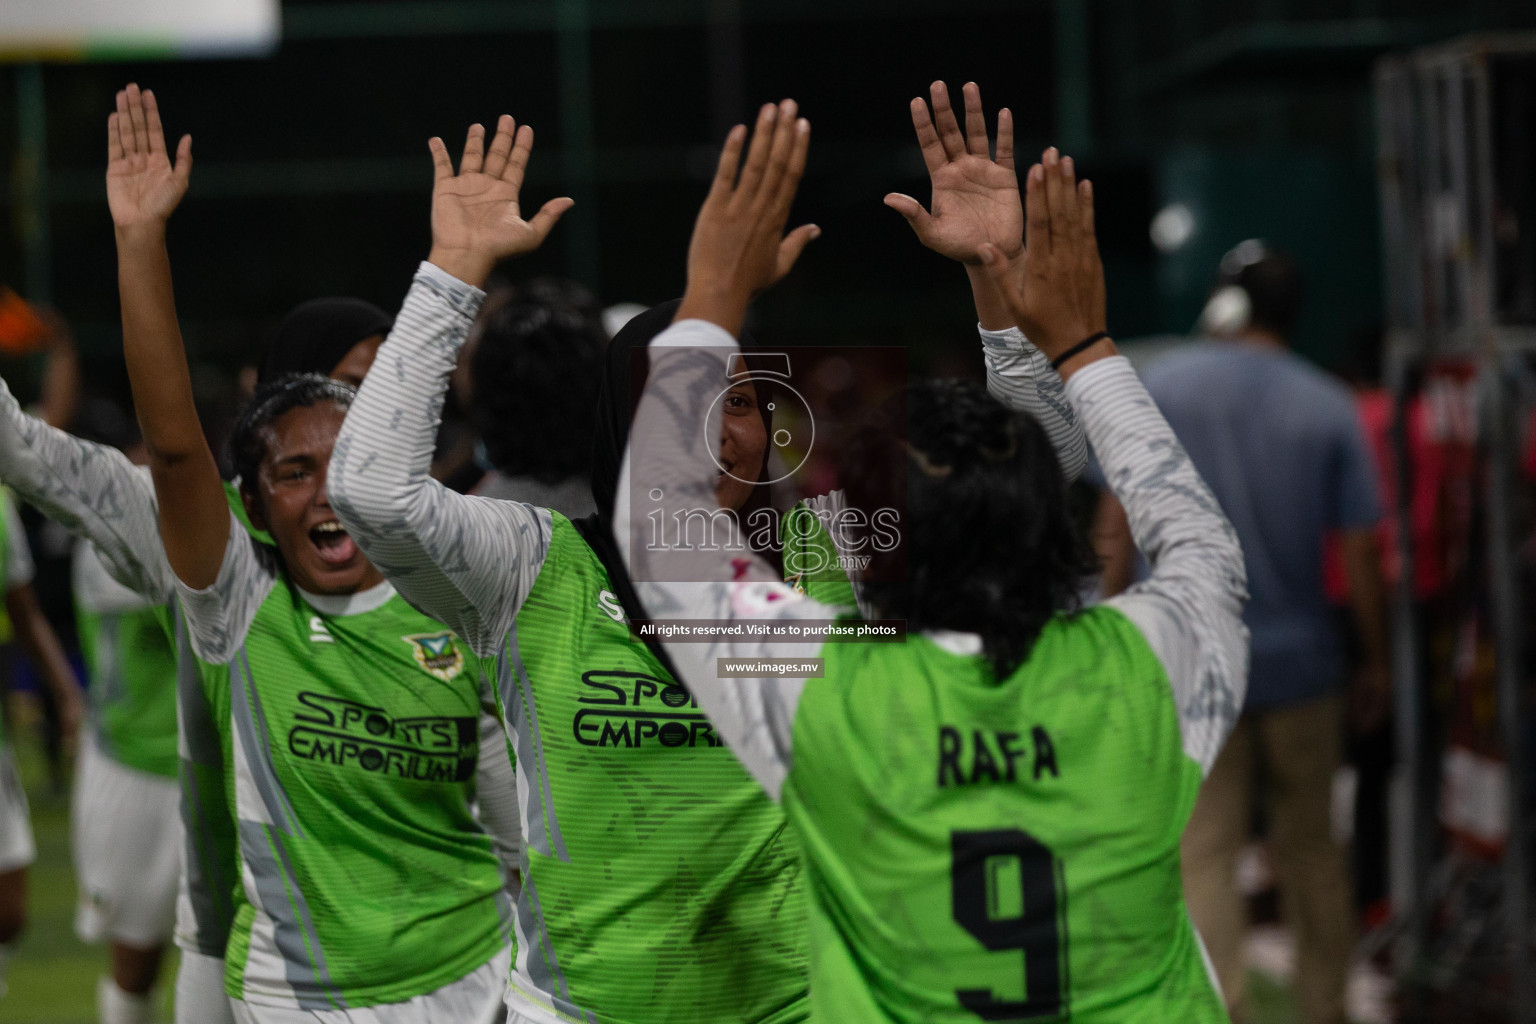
(31, 631)
(124, 809)
(658, 886)
(989, 814)
(97, 493)
(94, 491)
(349, 722)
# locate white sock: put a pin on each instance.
(115, 1006)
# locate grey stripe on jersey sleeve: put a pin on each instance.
(293, 930)
(1020, 376)
(496, 792)
(197, 730)
(250, 720)
(1190, 609)
(523, 726)
(204, 883)
(467, 561)
(107, 686)
(208, 833)
(539, 959)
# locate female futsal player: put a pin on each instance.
(97, 494)
(31, 630)
(350, 720)
(657, 884)
(988, 815)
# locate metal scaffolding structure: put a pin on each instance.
(1457, 189)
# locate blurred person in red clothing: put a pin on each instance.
(1370, 749)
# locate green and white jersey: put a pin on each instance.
(97, 493)
(128, 643)
(351, 728)
(976, 848)
(659, 884)
(655, 867)
(100, 496)
(210, 877)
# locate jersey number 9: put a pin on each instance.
(978, 874)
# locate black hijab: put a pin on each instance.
(317, 334)
(618, 394)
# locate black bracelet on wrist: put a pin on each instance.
(1075, 349)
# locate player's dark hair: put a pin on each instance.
(248, 441)
(1272, 279)
(988, 540)
(536, 370)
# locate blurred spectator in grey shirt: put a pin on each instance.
(1280, 443)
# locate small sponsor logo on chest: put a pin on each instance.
(437, 654)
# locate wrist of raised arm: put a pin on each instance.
(144, 235)
(720, 305)
(1104, 348)
(992, 311)
(468, 266)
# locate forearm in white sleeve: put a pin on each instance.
(1020, 376)
(670, 460)
(1190, 609)
(466, 561)
(91, 489)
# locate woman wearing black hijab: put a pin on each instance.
(656, 886)
(335, 336)
(746, 424)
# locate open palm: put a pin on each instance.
(476, 213)
(975, 198)
(143, 186)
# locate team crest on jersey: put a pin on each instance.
(437, 654)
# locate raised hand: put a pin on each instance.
(143, 186)
(1058, 299)
(739, 247)
(975, 197)
(476, 218)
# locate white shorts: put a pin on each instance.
(16, 848)
(200, 997)
(473, 999)
(125, 826)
